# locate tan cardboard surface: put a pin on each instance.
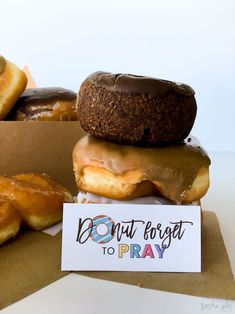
(215, 280)
(32, 261)
(39, 147)
(27, 264)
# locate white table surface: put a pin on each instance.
(78, 294)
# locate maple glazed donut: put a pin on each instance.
(179, 173)
(136, 110)
(12, 83)
(10, 221)
(45, 104)
(37, 199)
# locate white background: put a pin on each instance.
(191, 41)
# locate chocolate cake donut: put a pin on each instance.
(45, 104)
(136, 110)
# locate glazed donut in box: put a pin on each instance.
(31, 199)
(10, 221)
(12, 83)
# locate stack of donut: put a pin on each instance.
(33, 199)
(138, 142)
(33, 104)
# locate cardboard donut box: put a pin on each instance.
(32, 260)
(43, 147)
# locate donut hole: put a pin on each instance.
(102, 229)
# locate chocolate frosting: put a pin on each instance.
(136, 84)
(2, 64)
(32, 95)
(40, 97)
(175, 166)
(45, 104)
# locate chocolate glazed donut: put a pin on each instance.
(136, 110)
(45, 104)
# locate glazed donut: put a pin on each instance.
(46, 182)
(136, 110)
(45, 104)
(38, 201)
(10, 221)
(176, 172)
(12, 83)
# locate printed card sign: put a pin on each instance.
(127, 237)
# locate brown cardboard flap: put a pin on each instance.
(32, 261)
(27, 264)
(215, 280)
(40, 147)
